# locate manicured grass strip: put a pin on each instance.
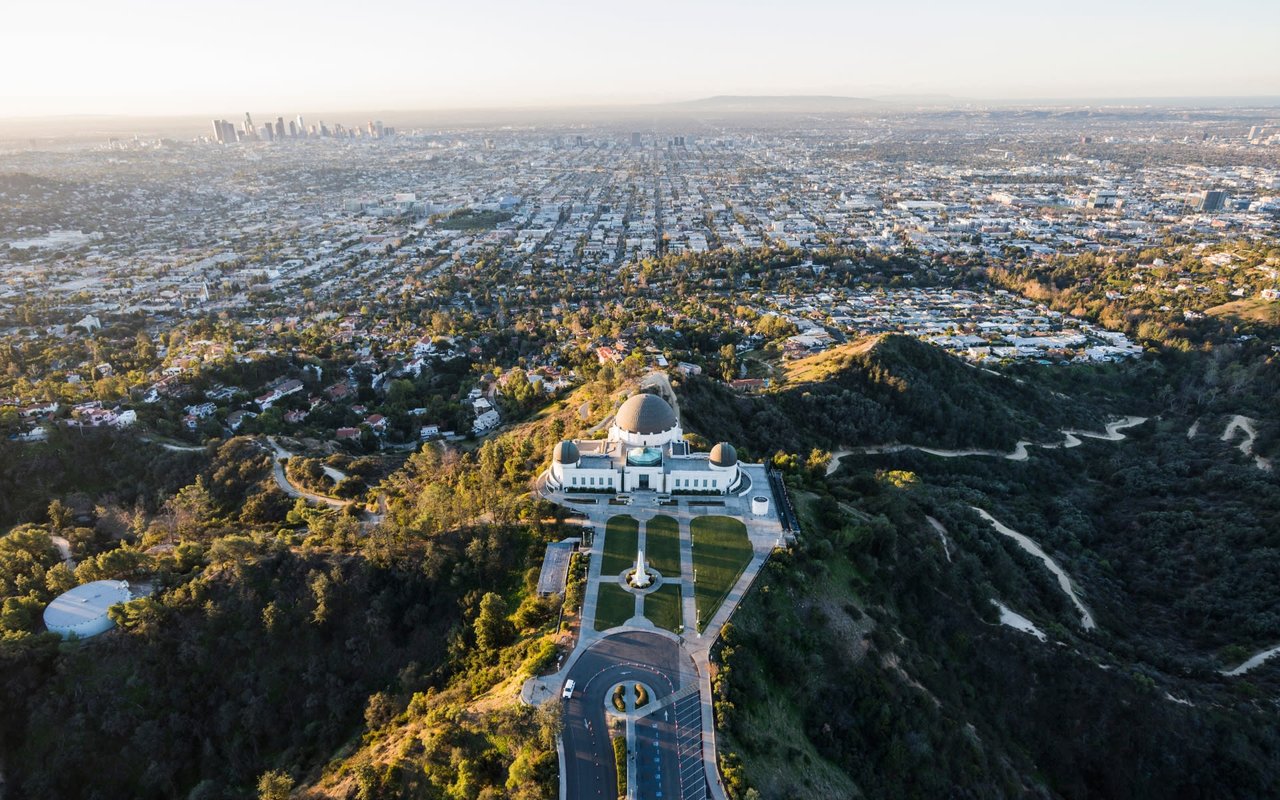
(663, 607)
(614, 606)
(662, 545)
(621, 537)
(620, 763)
(721, 551)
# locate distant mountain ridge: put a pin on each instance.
(820, 103)
(780, 103)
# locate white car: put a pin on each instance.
(568, 690)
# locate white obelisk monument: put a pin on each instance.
(640, 579)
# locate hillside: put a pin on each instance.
(309, 650)
(910, 685)
(1266, 312)
(92, 463)
(884, 389)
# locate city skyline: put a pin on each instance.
(145, 58)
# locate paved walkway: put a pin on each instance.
(765, 533)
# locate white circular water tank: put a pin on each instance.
(82, 611)
(760, 505)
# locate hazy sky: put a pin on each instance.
(223, 57)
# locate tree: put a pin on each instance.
(728, 362)
(59, 579)
(274, 785)
(232, 550)
(59, 516)
(379, 710)
(192, 506)
(493, 629)
(271, 505)
(144, 351)
(19, 614)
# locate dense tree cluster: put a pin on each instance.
(890, 389)
(910, 687)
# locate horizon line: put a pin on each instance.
(904, 99)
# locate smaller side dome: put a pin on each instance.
(723, 455)
(566, 453)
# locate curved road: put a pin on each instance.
(588, 750)
(282, 479)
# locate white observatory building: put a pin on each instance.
(645, 450)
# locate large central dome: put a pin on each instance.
(646, 414)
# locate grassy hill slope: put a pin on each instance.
(872, 656)
(879, 390)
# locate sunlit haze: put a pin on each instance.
(152, 57)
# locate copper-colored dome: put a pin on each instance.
(646, 414)
(724, 455)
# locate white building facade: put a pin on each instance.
(645, 451)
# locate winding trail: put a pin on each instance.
(942, 534)
(1018, 622)
(176, 448)
(64, 550)
(1254, 660)
(1240, 423)
(1070, 438)
(1029, 545)
(282, 479)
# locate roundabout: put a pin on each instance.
(629, 658)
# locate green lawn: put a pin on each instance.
(721, 551)
(662, 607)
(662, 545)
(621, 538)
(614, 606)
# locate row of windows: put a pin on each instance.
(681, 483)
(692, 483)
(592, 481)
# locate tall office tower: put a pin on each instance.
(324, 131)
(229, 132)
(217, 130)
(279, 127)
(302, 128)
(378, 128)
(372, 131)
(1211, 200)
(266, 132)
(635, 139)
(578, 140)
(293, 129)
(248, 123)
